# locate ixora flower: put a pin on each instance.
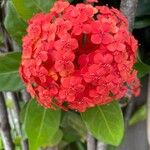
(77, 57)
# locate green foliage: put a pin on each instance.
(41, 125)
(105, 123)
(142, 22)
(55, 140)
(9, 77)
(111, 147)
(143, 8)
(1, 144)
(73, 127)
(142, 68)
(14, 23)
(27, 8)
(20, 11)
(139, 115)
(17, 140)
(77, 145)
(142, 19)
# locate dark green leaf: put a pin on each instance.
(105, 123)
(1, 40)
(13, 23)
(142, 68)
(73, 127)
(77, 145)
(44, 5)
(111, 147)
(143, 8)
(142, 22)
(139, 115)
(41, 125)
(27, 8)
(9, 78)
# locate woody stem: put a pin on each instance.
(128, 7)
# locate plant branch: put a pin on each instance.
(6, 37)
(4, 125)
(101, 146)
(90, 142)
(24, 142)
(128, 7)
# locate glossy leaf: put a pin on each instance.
(142, 68)
(27, 8)
(139, 115)
(16, 26)
(142, 22)
(105, 123)
(73, 127)
(9, 77)
(41, 125)
(55, 140)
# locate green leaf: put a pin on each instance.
(77, 145)
(27, 8)
(143, 8)
(142, 22)
(142, 15)
(17, 140)
(73, 127)
(55, 140)
(1, 144)
(142, 68)
(139, 115)
(9, 77)
(40, 125)
(111, 147)
(105, 122)
(16, 26)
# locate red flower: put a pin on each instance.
(71, 87)
(79, 56)
(91, 1)
(66, 44)
(107, 58)
(49, 32)
(62, 27)
(59, 6)
(44, 97)
(100, 33)
(116, 46)
(64, 64)
(94, 74)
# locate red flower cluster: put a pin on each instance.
(79, 56)
(92, 1)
